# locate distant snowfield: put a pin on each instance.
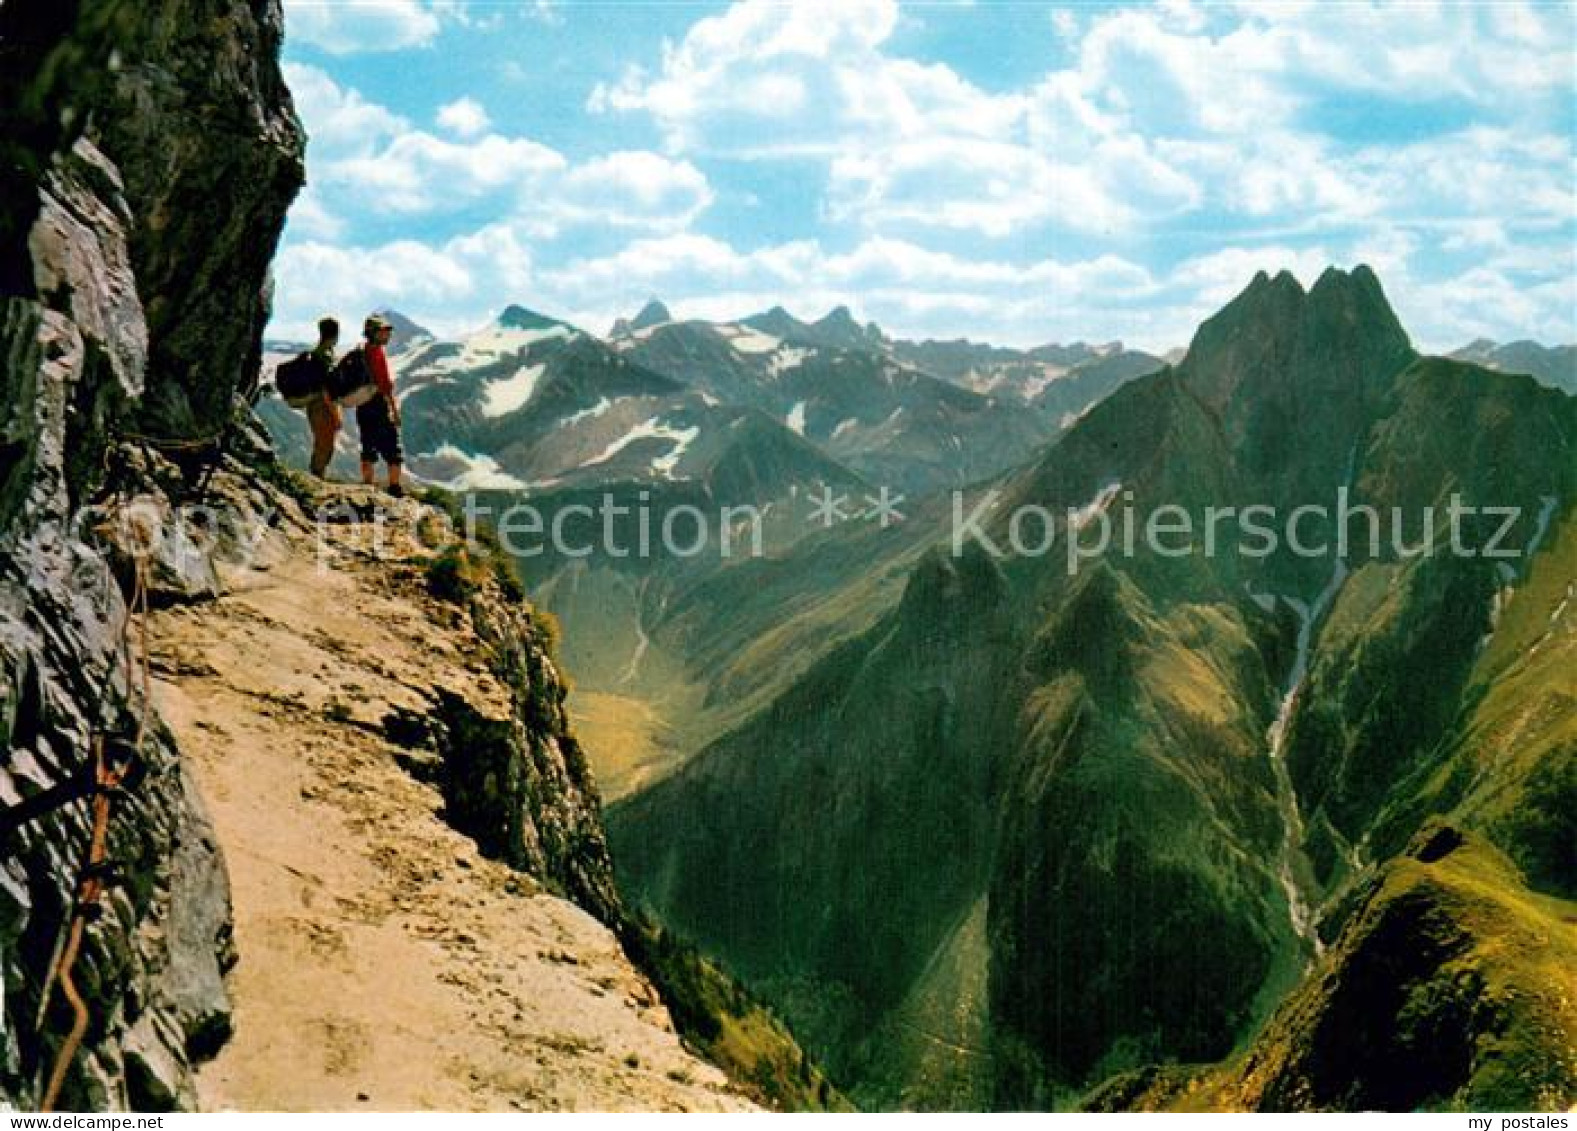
(789, 357)
(502, 397)
(746, 340)
(796, 418)
(479, 472)
(596, 410)
(486, 347)
(1037, 385)
(654, 428)
(629, 339)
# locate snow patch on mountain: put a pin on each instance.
(789, 357)
(487, 346)
(596, 410)
(1034, 386)
(664, 465)
(477, 472)
(746, 340)
(1082, 517)
(502, 397)
(627, 339)
(986, 381)
(796, 418)
(1069, 419)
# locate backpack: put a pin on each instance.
(350, 382)
(301, 378)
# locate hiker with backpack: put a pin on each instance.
(362, 381)
(303, 382)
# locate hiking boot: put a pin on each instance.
(397, 491)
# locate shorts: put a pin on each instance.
(379, 436)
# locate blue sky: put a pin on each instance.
(1013, 172)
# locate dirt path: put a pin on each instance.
(384, 965)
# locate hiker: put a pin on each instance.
(323, 415)
(304, 383)
(378, 419)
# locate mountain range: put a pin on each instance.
(1026, 832)
(988, 832)
(763, 412)
(1553, 365)
(995, 802)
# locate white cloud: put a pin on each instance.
(907, 287)
(420, 173)
(453, 285)
(1484, 302)
(529, 185)
(770, 77)
(465, 117)
(1198, 142)
(310, 218)
(549, 12)
(348, 27)
(1164, 111)
(339, 121)
(907, 144)
(373, 163)
(632, 189)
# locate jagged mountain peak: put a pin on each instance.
(1353, 302)
(517, 317)
(1275, 334)
(779, 323)
(838, 327)
(654, 313)
(1359, 288)
(405, 329)
(838, 317)
(1282, 282)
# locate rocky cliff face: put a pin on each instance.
(521, 786)
(131, 305)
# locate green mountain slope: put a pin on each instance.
(1160, 778)
(1450, 988)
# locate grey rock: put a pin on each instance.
(522, 787)
(148, 157)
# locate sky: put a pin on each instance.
(1018, 173)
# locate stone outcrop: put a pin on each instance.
(148, 155)
(522, 787)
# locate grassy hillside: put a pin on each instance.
(1091, 758)
(729, 1026)
(1453, 987)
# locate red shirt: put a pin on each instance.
(378, 366)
